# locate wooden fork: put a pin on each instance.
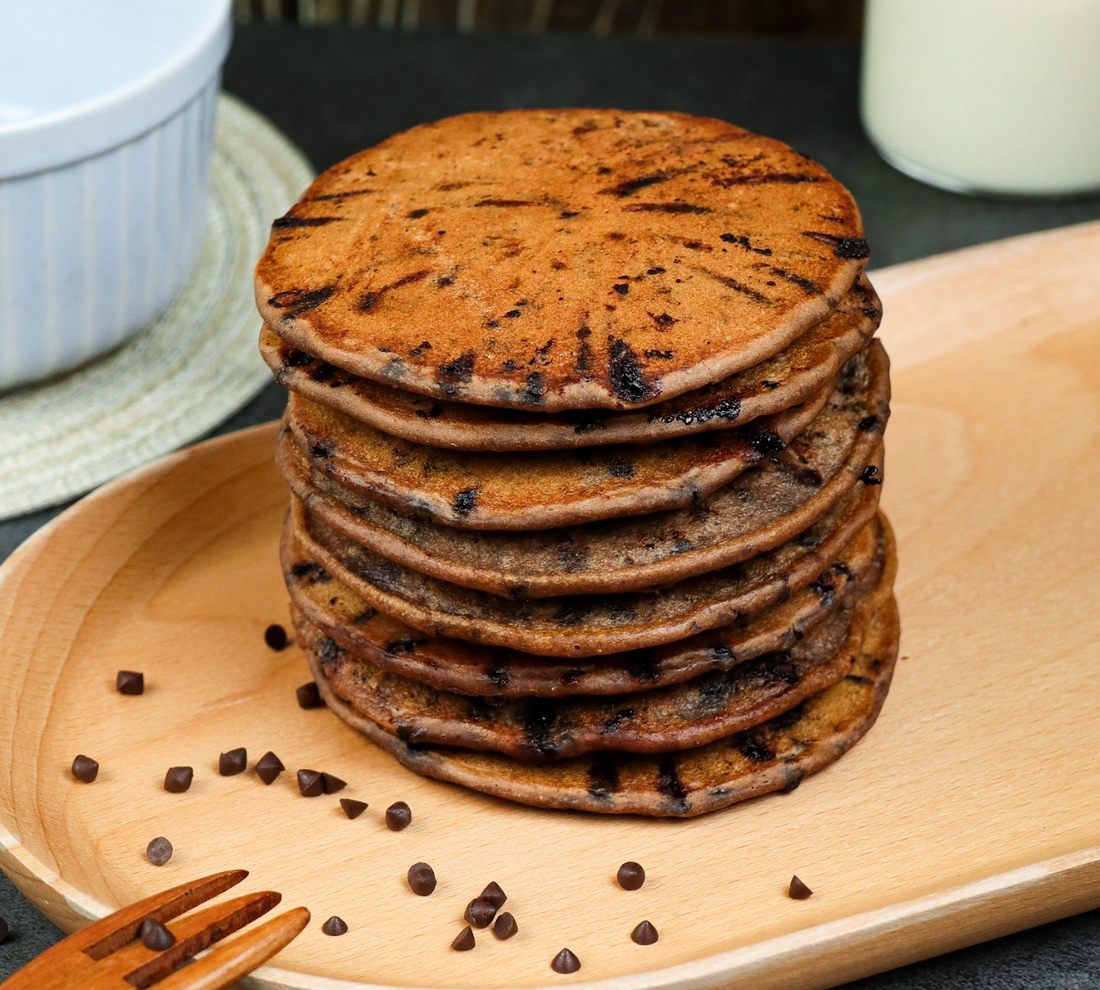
(107, 955)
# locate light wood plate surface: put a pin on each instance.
(971, 810)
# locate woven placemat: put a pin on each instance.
(185, 373)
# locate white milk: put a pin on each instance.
(999, 96)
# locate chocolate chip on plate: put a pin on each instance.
(332, 784)
(309, 696)
(494, 895)
(798, 891)
(233, 762)
(310, 783)
(268, 767)
(421, 879)
(157, 937)
(644, 934)
(505, 926)
(178, 779)
(275, 636)
(565, 962)
(130, 682)
(85, 769)
(335, 926)
(159, 851)
(398, 816)
(464, 940)
(630, 876)
(353, 808)
(479, 912)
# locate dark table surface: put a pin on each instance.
(335, 91)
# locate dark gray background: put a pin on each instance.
(335, 91)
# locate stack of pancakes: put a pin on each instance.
(585, 446)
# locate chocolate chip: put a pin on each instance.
(157, 938)
(268, 767)
(870, 476)
(479, 912)
(309, 696)
(798, 891)
(159, 851)
(421, 879)
(398, 816)
(644, 934)
(3, 929)
(630, 876)
(275, 636)
(332, 784)
(233, 762)
(130, 682)
(565, 962)
(178, 779)
(85, 769)
(310, 783)
(335, 926)
(353, 808)
(505, 926)
(494, 895)
(464, 940)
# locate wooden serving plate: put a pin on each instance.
(970, 811)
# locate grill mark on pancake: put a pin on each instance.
(351, 193)
(807, 285)
(743, 241)
(668, 780)
(630, 186)
(666, 208)
(843, 247)
(625, 373)
(509, 203)
(461, 369)
(766, 178)
(753, 748)
(283, 222)
(298, 301)
(732, 283)
(537, 722)
(603, 775)
(369, 299)
(465, 501)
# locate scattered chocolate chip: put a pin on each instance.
(421, 879)
(398, 816)
(464, 940)
(146, 927)
(275, 636)
(335, 926)
(159, 851)
(565, 962)
(268, 767)
(798, 891)
(505, 926)
(3, 929)
(309, 696)
(233, 762)
(157, 937)
(178, 779)
(630, 876)
(310, 783)
(479, 912)
(130, 682)
(332, 784)
(644, 934)
(353, 808)
(85, 769)
(494, 895)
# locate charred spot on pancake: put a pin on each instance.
(537, 722)
(534, 388)
(622, 288)
(461, 369)
(640, 667)
(465, 501)
(603, 775)
(498, 673)
(870, 476)
(770, 385)
(847, 248)
(616, 721)
(420, 348)
(763, 178)
(434, 411)
(417, 214)
(573, 613)
(507, 203)
(619, 467)
(283, 222)
(512, 314)
(298, 301)
(630, 186)
(321, 451)
(806, 285)
(657, 270)
(372, 297)
(311, 572)
(869, 423)
(625, 373)
(765, 442)
(659, 355)
(666, 208)
(788, 720)
(568, 215)
(397, 646)
(668, 780)
(297, 359)
(780, 667)
(584, 353)
(508, 366)
(744, 242)
(753, 748)
(825, 589)
(681, 545)
(444, 280)
(732, 283)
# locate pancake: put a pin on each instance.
(762, 508)
(801, 369)
(774, 756)
(561, 259)
(490, 671)
(575, 626)
(539, 489)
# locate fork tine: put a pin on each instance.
(141, 967)
(102, 937)
(230, 962)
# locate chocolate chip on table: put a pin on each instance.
(353, 808)
(310, 783)
(464, 940)
(268, 767)
(332, 784)
(798, 891)
(335, 926)
(421, 879)
(130, 682)
(630, 876)
(644, 934)
(159, 851)
(309, 696)
(479, 912)
(494, 895)
(398, 816)
(565, 962)
(275, 636)
(505, 926)
(233, 762)
(156, 937)
(178, 779)
(85, 769)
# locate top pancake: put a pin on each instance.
(561, 259)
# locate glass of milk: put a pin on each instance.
(999, 97)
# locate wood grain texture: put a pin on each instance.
(971, 810)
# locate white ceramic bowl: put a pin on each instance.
(106, 131)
